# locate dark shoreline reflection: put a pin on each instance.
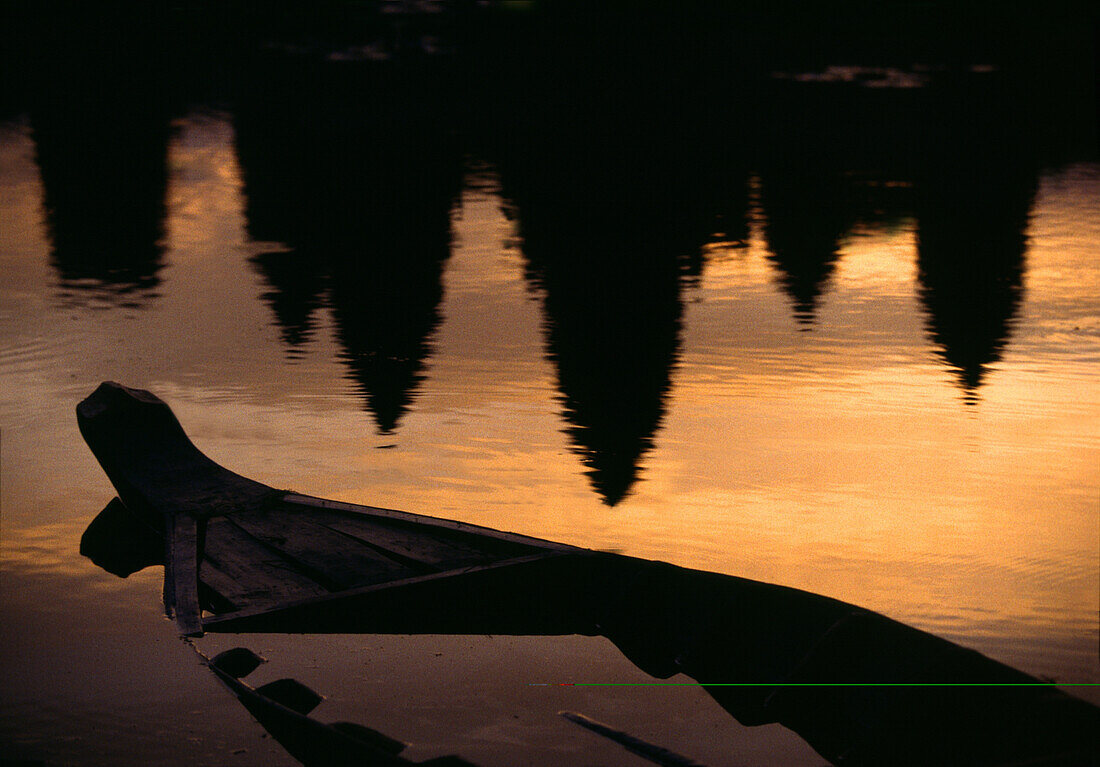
(624, 141)
(352, 166)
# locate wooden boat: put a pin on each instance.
(242, 557)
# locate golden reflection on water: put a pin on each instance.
(842, 459)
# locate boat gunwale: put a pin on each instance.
(429, 521)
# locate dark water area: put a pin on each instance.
(799, 295)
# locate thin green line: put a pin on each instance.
(817, 684)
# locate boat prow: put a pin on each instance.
(243, 556)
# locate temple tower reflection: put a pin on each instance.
(611, 225)
(100, 121)
(974, 198)
(352, 169)
(971, 254)
(805, 218)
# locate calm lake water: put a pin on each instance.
(831, 325)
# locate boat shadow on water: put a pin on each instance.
(242, 557)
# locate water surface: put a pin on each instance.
(830, 344)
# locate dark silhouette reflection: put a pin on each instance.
(806, 213)
(100, 121)
(120, 542)
(959, 152)
(831, 155)
(972, 241)
(616, 187)
(295, 291)
(860, 688)
(352, 167)
(811, 136)
(612, 321)
(612, 300)
(624, 140)
(974, 197)
(387, 307)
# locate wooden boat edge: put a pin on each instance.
(427, 521)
